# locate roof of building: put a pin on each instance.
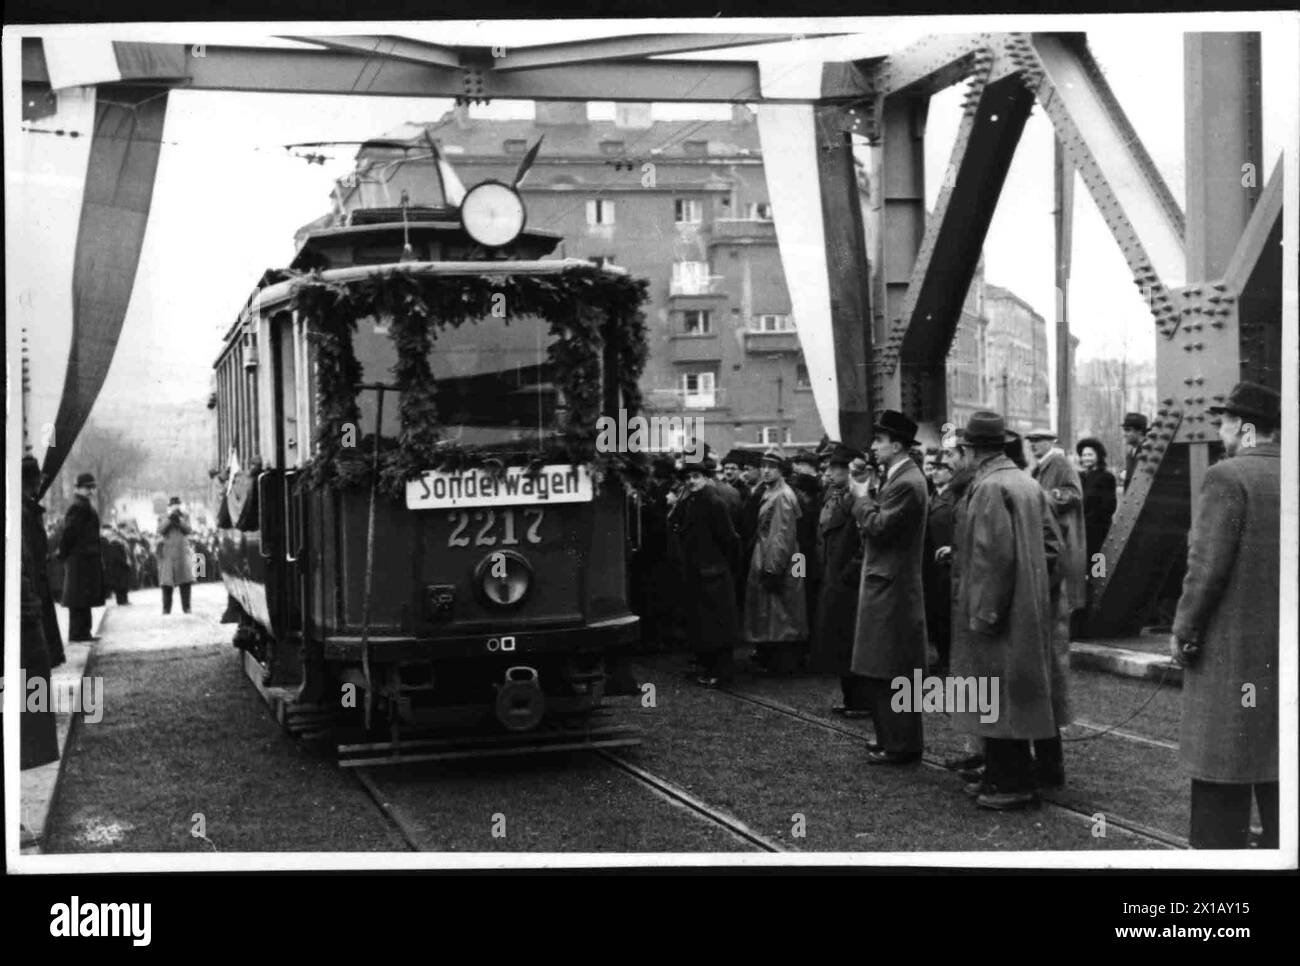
(992, 291)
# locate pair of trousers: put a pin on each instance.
(1008, 765)
(854, 689)
(897, 732)
(1221, 814)
(1049, 756)
(185, 598)
(121, 595)
(78, 623)
(716, 662)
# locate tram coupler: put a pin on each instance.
(520, 703)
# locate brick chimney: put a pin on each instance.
(561, 112)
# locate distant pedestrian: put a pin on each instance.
(175, 557)
(1004, 548)
(1226, 629)
(117, 564)
(839, 561)
(707, 550)
(776, 617)
(1100, 494)
(81, 552)
(889, 632)
(1135, 429)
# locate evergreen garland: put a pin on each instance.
(581, 305)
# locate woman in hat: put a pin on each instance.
(175, 558)
(1099, 492)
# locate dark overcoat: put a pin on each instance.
(730, 498)
(38, 733)
(938, 576)
(1054, 473)
(117, 564)
(1099, 501)
(82, 555)
(39, 547)
(1229, 604)
(889, 631)
(706, 550)
(839, 560)
(780, 613)
(1005, 544)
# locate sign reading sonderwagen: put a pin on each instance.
(553, 483)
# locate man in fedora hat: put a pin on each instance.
(889, 632)
(776, 616)
(1226, 629)
(706, 550)
(82, 555)
(1064, 490)
(839, 561)
(1135, 429)
(175, 557)
(1005, 543)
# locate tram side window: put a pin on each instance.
(237, 424)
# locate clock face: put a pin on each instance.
(493, 214)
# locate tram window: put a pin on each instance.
(494, 384)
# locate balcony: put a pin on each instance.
(695, 348)
(731, 230)
(694, 286)
(676, 400)
(764, 341)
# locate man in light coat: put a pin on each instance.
(1060, 482)
(889, 635)
(1005, 545)
(175, 558)
(776, 615)
(1226, 629)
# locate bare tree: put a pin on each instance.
(111, 455)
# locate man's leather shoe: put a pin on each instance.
(962, 764)
(883, 757)
(1007, 801)
(972, 774)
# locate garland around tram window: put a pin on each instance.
(576, 303)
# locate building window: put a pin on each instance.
(600, 212)
(772, 323)
(515, 146)
(801, 379)
(769, 436)
(759, 211)
(611, 148)
(699, 390)
(697, 322)
(690, 278)
(687, 211)
(695, 149)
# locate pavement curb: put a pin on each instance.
(1124, 662)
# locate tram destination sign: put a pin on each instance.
(553, 483)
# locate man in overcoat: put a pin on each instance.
(1004, 547)
(175, 557)
(117, 564)
(1060, 482)
(38, 543)
(707, 552)
(839, 560)
(1226, 629)
(937, 571)
(889, 632)
(81, 552)
(776, 616)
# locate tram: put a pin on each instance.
(416, 529)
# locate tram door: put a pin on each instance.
(285, 521)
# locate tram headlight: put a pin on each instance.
(503, 578)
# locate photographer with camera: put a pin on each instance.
(175, 558)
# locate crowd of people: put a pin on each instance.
(973, 560)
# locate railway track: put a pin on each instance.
(1134, 828)
(658, 786)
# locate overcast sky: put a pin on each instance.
(228, 197)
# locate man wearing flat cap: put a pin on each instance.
(1226, 629)
(776, 616)
(839, 560)
(1135, 429)
(1005, 545)
(83, 561)
(889, 633)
